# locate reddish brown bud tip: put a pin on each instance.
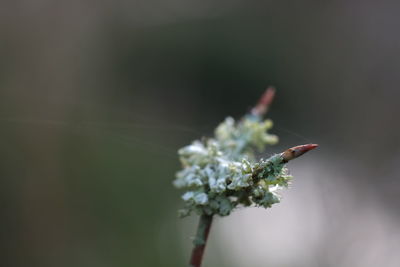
(297, 151)
(265, 101)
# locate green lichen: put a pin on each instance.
(221, 173)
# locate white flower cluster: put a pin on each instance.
(221, 173)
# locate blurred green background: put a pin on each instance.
(97, 96)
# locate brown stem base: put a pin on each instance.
(200, 240)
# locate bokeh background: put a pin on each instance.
(97, 96)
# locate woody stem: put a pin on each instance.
(200, 240)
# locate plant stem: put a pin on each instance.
(200, 240)
(264, 102)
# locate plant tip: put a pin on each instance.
(265, 101)
(297, 151)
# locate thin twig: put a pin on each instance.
(264, 102)
(200, 240)
(205, 222)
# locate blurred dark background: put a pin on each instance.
(97, 96)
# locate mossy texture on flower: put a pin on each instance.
(221, 173)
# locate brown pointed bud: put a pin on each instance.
(265, 101)
(297, 151)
